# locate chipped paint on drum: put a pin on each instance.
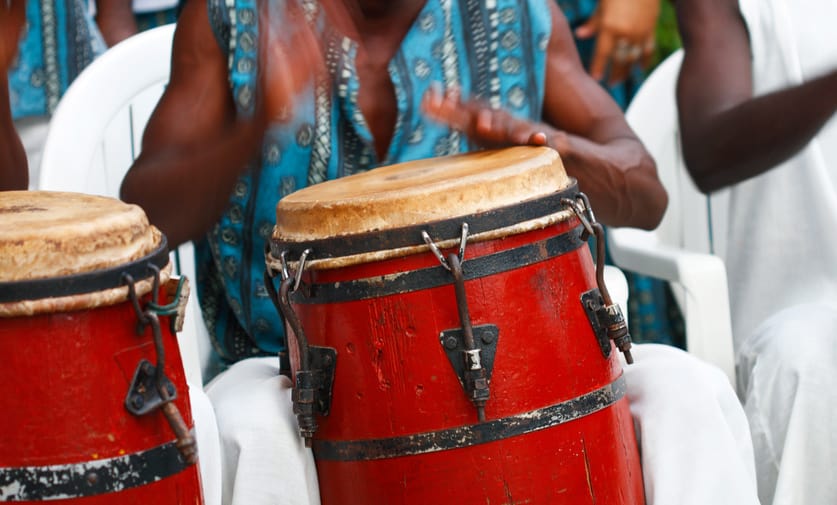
(65, 378)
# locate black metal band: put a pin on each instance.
(347, 245)
(90, 478)
(87, 282)
(426, 278)
(475, 434)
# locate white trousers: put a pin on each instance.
(694, 438)
(787, 372)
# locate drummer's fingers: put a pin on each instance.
(605, 43)
(537, 139)
(619, 72)
(494, 128)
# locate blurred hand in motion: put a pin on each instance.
(625, 36)
(12, 19)
(291, 52)
(485, 126)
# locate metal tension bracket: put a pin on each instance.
(605, 313)
(485, 339)
(314, 380)
(607, 321)
(314, 387)
(467, 347)
(143, 395)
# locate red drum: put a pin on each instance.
(437, 363)
(87, 310)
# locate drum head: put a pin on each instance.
(52, 234)
(422, 191)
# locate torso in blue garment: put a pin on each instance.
(491, 50)
(60, 40)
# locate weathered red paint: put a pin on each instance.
(65, 377)
(394, 379)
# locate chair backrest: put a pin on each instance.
(681, 249)
(96, 133)
(693, 220)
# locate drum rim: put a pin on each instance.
(411, 236)
(85, 282)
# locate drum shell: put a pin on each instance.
(66, 376)
(393, 379)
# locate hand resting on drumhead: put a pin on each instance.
(14, 173)
(486, 127)
(582, 123)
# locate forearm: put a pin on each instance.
(14, 171)
(619, 177)
(185, 190)
(754, 136)
(116, 20)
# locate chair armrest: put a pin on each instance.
(703, 278)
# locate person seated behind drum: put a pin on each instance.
(13, 168)
(61, 38)
(757, 96)
(246, 120)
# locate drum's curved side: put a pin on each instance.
(94, 395)
(401, 429)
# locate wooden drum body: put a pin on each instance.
(402, 426)
(83, 419)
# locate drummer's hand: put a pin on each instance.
(486, 127)
(12, 19)
(625, 36)
(291, 58)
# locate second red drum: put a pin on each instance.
(444, 337)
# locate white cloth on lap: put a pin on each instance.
(695, 441)
(695, 444)
(264, 460)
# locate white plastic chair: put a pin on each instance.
(679, 250)
(95, 135)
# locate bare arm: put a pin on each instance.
(194, 147)
(116, 20)
(596, 144)
(14, 172)
(716, 104)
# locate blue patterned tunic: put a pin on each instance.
(59, 41)
(493, 50)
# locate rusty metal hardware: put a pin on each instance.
(485, 339)
(177, 290)
(598, 316)
(611, 317)
(314, 380)
(472, 373)
(151, 389)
